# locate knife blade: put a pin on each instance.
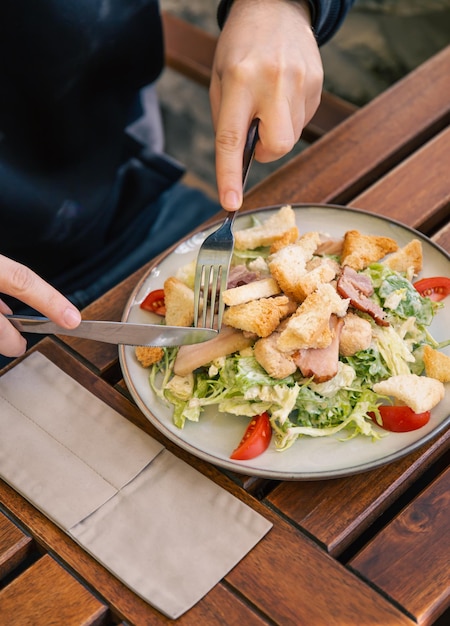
(116, 332)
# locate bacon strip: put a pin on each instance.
(240, 275)
(358, 287)
(321, 363)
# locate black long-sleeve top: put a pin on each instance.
(70, 74)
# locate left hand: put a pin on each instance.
(267, 65)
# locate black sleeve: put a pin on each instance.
(326, 16)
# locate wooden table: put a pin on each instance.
(370, 549)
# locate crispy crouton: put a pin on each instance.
(437, 364)
(410, 256)
(274, 228)
(356, 335)
(276, 363)
(252, 291)
(359, 250)
(179, 301)
(147, 355)
(289, 236)
(420, 393)
(324, 272)
(289, 264)
(258, 316)
(309, 327)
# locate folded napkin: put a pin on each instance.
(168, 532)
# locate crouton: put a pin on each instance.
(324, 272)
(274, 228)
(252, 291)
(258, 316)
(437, 364)
(359, 250)
(407, 258)
(289, 264)
(276, 363)
(147, 355)
(290, 236)
(420, 393)
(179, 301)
(356, 335)
(309, 327)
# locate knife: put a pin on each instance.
(116, 332)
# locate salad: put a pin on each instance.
(320, 337)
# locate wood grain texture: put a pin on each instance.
(409, 559)
(47, 594)
(360, 150)
(336, 512)
(442, 237)
(416, 192)
(284, 555)
(14, 546)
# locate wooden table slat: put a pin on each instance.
(47, 594)
(408, 559)
(283, 547)
(416, 192)
(336, 512)
(344, 162)
(442, 237)
(15, 545)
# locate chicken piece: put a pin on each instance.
(356, 335)
(321, 363)
(190, 357)
(277, 364)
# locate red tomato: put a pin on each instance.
(436, 288)
(154, 302)
(256, 438)
(401, 419)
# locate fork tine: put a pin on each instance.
(223, 286)
(214, 257)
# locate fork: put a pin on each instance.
(214, 257)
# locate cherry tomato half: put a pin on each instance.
(401, 419)
(436, 288)
(154, 302)
(256, 438)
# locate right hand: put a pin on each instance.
(22, 283)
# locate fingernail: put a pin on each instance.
(72, 317)
(231, 200)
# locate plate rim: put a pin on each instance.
(236, 466)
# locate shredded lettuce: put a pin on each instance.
(298, 407)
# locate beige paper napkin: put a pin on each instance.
(163, 528)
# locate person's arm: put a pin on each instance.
(20, 282)
(268, 66)
(326, 15)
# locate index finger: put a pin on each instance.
(22, 283)
(231, 140)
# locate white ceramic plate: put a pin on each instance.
(216, 435)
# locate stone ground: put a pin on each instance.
(379, 42)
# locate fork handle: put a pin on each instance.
(249, 149)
